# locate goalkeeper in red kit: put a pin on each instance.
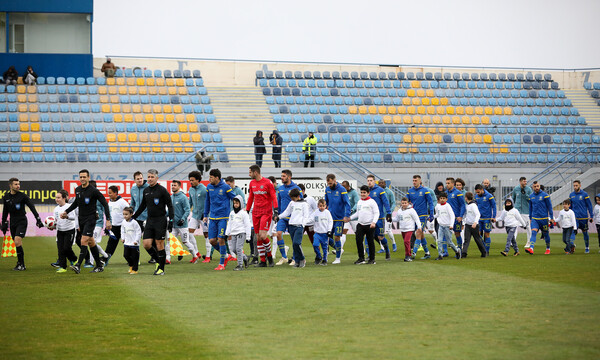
(262, 193)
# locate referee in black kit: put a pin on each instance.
(157, 199)
(14, 205)
(85, 198)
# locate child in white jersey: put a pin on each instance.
(367, 214)
(238, 230)
(472, 227)
(597, 216)
(323, 223)
(445, 217)
(512, 219)
(299, 215)
(131, 233)
(567, 221)
(65, 231)
(408, 220)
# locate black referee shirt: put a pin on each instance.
(14, 204)
(156, 198)
(85, 200)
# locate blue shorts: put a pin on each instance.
(216, 228)
(282, 224)
(582, 225)
(338, 227)
(486, 225)
(423, 219)
(379, 228)
(540, 224)
(457, 226)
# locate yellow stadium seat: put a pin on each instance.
(422, 110)
(147, 109)
(32, 98)
(116, 108)
(37, 147)
(427, 119)
(157, 109)
(425, 101)
(110, 81)
(422, 130)
(437, 119)
(112, 90)
(185, 138)
(437, 138)
(162, 90)
(458, 139)
(135, 148)
(31, 90)
(122, 137)
(105, 108)
(475, 120)
(22, 98)
(170, 118)
(440, 110)
(122, 90)
(430, 93)
(132, 90)
(128, 118)
(152, 91)
(156, 148)
(497, 110)
(402, 149)
(140, 81)
(504, 149)
(407, 119)
(23, 118)
(35, 127)
(397, 119)
(138, 118)
(34, 117)
(149, 118)
(443, 130)
(465, 120)
(494, 149)
(415, 84)
(415, 101)
(460, 110)
(142, 90)
(177, 109)
(125, 108)
(411, 92)
(150, 82)
(130, 81)
(428, 138)
(111, 137)
(132, 137)
(468, 139)
(188, 148)
(183, 128)
(180, 118)
(118, 118)
(170, 82)
(421, 93)
(431, 110)
(167, 148)
(456, 120)
(487, 138)
(123, 148)
(33, 108)
(190, 118)
(488, 110)
(392, 110)
(167, 109)
(164, 137)
(406, 101)
(472, 130)
(407, 139)
(485, 120)
(172, 91)
(159, 118)
(479, 110)
(447, 120)
(382, 109)
(175, 138)
(146, 148)
(417, 119)
(180, 82)
(435, 101)
(21, 89)
(372, 110)
(462, 130)
(136, 109)
(193, 128)
(182, 91)
(432, 130)
(444, 101)
(102, 90)
(160, 82)
(114, 99)
(143, 137)
(411, 110)
(412, 130)
(418, 139)
(387, 119)
(24, 127)
(22, 107)
(352, 109)
(401, 110)
(451, 130)
(104, 99)
(450, 110)
(507, 111)
(120, 81)
(177, 148)
(362, 109)
(196, 138)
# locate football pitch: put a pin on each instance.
(526, 307)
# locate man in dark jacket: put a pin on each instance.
(259, 147)
(277, 141)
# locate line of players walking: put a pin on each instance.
(221, 213)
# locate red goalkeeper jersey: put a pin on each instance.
(262, 194)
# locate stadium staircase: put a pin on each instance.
(241, 111)
(587, 107)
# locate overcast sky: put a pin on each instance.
(508, 33)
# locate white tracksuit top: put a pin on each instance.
(407, 219)
(367, 212)
(298, 212)
(473, 214)
(323, 221)
(65, 224)
(512, 218)
(444, 215)
(116, 210)
(239, 224)
(131, 232)
(312, 207)
(566, 219)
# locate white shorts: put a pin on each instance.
(430, 226)
(388, 226)
(98, 234)
(194, 223)
(180, 232)
(351, 225)
(273, 229)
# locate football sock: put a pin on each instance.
(261, 250)
(95, 254)
(223, 252)
(281, 246)
(267, 245)
(343, 239)
(20, 255)
(424, 245)
(167, 250)
(532, 240)
(331, 242)
(153, 253)
(192, 240)
(208, 248)
(384, 242)
(338, 249)
(162, 258)
(445, 247)
(547, 239)
(459, 241)
(487, 243)
(83, 255)
(586, 238)
(417, 244)
(101, 251)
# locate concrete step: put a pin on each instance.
(587, 106)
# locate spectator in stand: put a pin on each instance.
(108, 68)
(277, 141)
(30, 77)
(259, 147)
(10, 76)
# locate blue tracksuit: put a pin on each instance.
(540, 209)
(339, 207)
(216, 208)
(353, 198)
(283, 200)
(487, 209)
(423, 201)
(378, 194)
(197, 199)
(456, 199)
(137, 196)
(391, 199)
(582, 206)
(181, 209)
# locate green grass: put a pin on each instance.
(528, 307)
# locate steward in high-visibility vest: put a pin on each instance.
(309, 148)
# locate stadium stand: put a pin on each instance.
(136, 116)
(452, 118)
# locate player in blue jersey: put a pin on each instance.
(422, 201)
(388, 224)
(581, 206)
(283, 199)
(540, 210)
(487, 209)
(353, 197)
(197, 198)
(376, 193)
(216, 209)
(338, 204)
(456, 199)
